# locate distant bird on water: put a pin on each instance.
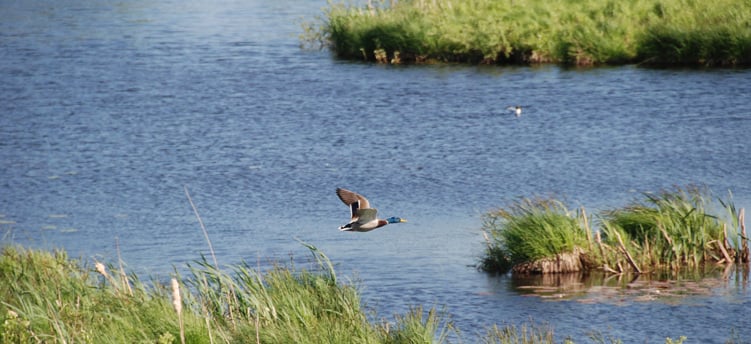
(516, 109)
(363, 216)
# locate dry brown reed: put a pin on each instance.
(628, 255)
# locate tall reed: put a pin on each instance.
(673, 228)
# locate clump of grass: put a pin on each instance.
(281, 306)
(532, 230)
(532, 31)
(524, 334)
(417, 326)
(673, 228)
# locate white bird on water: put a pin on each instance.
(516, 109)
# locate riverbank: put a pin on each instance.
(669, 32)
(49, 297)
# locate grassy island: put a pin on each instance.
(570, 32)
(673, 229)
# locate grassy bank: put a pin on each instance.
(673, 229)
(50, 298)
(660, 32)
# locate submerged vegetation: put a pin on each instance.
(673, 229)
(660, 32)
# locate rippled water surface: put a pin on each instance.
(109, 109)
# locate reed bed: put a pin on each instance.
(572, 32)
(49, 298)
(673, 229)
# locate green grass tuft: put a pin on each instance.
(529, 230)
(673, 228)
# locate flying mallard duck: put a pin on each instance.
(363, 216)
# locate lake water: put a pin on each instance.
(108, 110)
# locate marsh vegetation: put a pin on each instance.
(672, 229)
(51, 298)
(48, 297)
(658, 32)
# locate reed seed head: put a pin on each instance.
(100, 268)
(176, 300)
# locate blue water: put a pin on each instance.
(108, 110)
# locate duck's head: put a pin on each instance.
(395, 219)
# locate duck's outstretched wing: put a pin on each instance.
(365, 215)
(355, 201)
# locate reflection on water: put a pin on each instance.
(666, 286)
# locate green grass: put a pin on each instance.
(673, 229)
(48, 297)
(530, 230)
(525, 333)
(573, 32)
